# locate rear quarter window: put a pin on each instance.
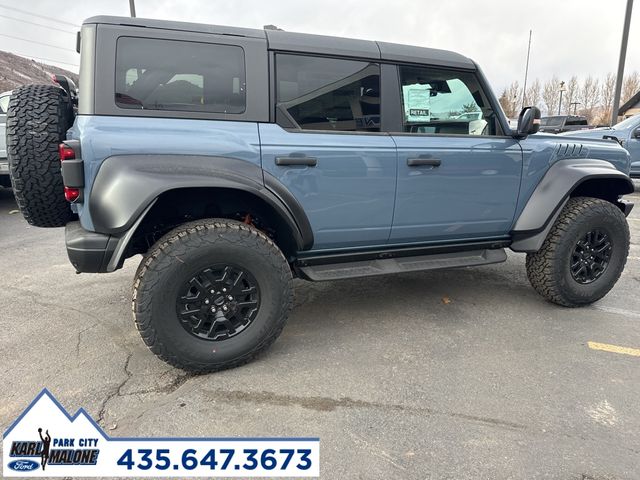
(154, 74)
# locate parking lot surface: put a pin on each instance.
(454, 374)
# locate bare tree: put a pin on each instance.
(606, 98)
(534, 94)
(571, 94)
(589, 95)
(509, 99)
(630, 86)
(551, 95)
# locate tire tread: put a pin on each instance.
(150, 271)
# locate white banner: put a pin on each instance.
(45, 441)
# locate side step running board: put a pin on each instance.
(385, 266)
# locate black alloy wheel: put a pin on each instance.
(591, 256)
(218, 302)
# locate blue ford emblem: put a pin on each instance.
(23, 465)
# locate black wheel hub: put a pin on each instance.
(218, 302)
(591, 256)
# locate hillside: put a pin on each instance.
(16, 71)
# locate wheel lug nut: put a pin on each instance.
(230, 298)
(213, 291)
(224, 290)
(213, 309)
(206, 301)
(225, 308)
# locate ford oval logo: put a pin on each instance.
(23, 465)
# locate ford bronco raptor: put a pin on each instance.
(235, 160)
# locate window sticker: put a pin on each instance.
(417, 102)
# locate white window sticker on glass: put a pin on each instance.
(417, 102)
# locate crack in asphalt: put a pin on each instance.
(79, 337)
(171, 387)
(167, 389)
(38, 300)
(115, 392)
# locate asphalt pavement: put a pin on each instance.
(460, 374)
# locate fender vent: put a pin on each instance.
(569, 150)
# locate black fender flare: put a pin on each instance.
(553, 192)
(126, 185)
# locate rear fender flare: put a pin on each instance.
(126, 185)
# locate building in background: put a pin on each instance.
(631, 107)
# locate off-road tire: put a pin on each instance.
(37, 121)
(187, 249)
(549, 268)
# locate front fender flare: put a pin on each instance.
(126, 185)
(552, 193)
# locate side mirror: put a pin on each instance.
(528, 121)
(636, 133)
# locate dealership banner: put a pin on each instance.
(45, 441)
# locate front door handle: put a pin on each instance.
(418, 162)
(293, 160)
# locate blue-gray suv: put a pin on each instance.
(235, 160)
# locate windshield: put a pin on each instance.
(551, 121)
(629, 122)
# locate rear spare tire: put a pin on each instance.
(37, 121)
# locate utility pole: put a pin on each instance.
(562, 89)
(526, 73)
(575, 107)
(132, 8)
(623, 56)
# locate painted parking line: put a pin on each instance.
(614, 348)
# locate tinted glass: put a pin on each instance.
(4, 104)
(315, 93)
(444, 102)
(576, 121)
(551, 121)
(156, 74)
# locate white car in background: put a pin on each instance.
(4, 164)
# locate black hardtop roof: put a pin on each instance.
(307, 43)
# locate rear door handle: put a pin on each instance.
(291, 160)
(418, 162)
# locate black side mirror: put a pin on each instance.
(528, 121)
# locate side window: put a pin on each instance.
(200, 77)
(444, 102)
(317, 93)
(4, 103)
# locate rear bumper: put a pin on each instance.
(88, 252)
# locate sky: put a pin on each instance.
(570, 37)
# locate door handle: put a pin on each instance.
(291, 160)
(418, 162)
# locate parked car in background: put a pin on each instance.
(564, 123)
(4, 165)
(627, 133)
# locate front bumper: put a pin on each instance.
(88, 252)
